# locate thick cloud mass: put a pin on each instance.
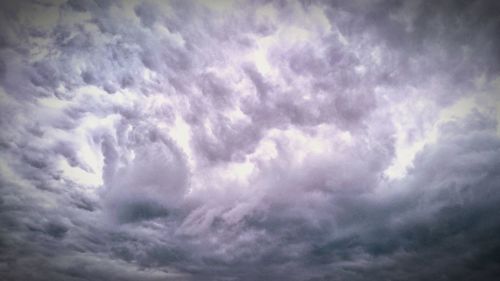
(249, 140)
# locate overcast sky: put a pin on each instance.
(249, 140)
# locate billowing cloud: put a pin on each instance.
(249, 140)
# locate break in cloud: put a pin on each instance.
(249, 140)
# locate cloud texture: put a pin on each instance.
(249, 140)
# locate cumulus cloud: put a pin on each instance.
(249, 140)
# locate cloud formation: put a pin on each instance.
(249, 140)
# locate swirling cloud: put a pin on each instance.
(249, 140)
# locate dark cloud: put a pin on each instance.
(429, 39)
(147, 12)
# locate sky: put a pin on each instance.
(249, 140)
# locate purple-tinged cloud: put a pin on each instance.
(249, 140)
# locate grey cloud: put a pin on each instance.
(89, 5)
(149, 185)
(440, 36)
(146, 141)
(441, 213)
(231, 142)
(214, 88)
(260, 84)
(147, 12)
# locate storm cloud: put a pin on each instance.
(249, 140)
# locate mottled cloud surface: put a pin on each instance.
(249, 140)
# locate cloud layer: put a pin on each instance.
(249, 140)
